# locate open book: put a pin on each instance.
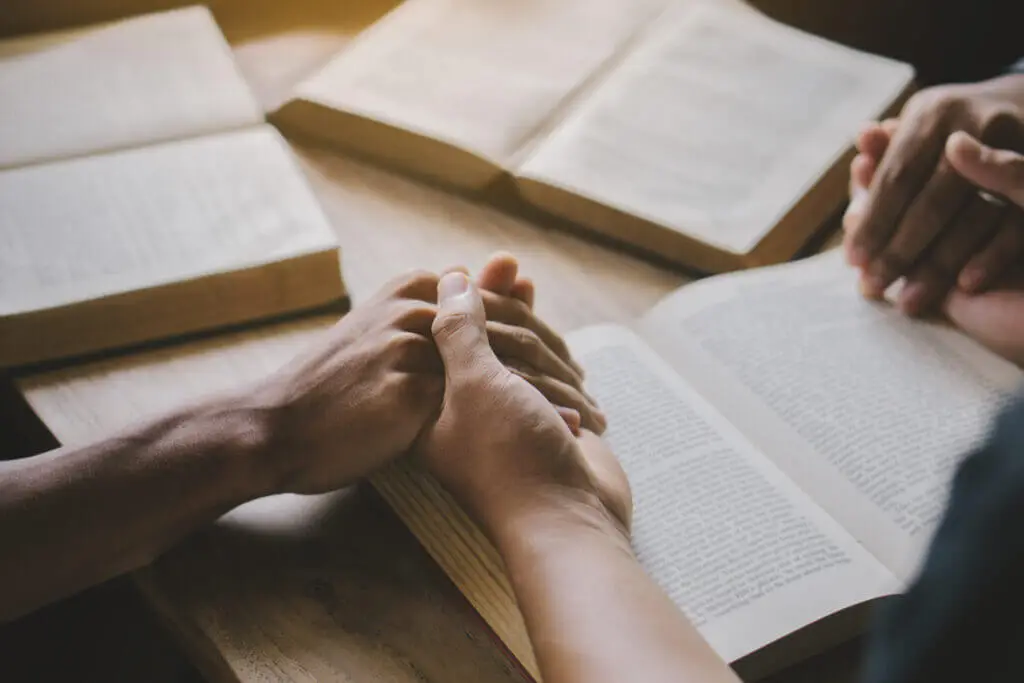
(142, 195)
(789, 447)
(702, 132)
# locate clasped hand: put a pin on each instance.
(489, 397)
(928, 205)
(935, 205)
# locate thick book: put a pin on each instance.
(702, 132)
(789, 446)
(142, 194)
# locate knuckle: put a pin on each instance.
(519, 312)
(999, 126)
(893, 263)
(414, 281)
(412, 314)
(901, 178)
(451, 325)
(935, 100)
(403, 343)
(529, 341)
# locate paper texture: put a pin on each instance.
(99, 225)
(481, 76)
(715, 124)
(149, 79)
(747, 555)
(867, 410)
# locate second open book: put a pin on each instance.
(789, 447)
(698, 130)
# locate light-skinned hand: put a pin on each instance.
(499, 445)
(996, 317)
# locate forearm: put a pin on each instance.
(592, 613)
(75, 517)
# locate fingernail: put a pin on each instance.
(872, 286)
(911, 300)
(452, 285)
(970, 279)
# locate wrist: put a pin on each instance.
(553, 519)
(244, 430)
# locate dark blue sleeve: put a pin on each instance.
(962, 619)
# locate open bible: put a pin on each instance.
(702, 132)
(789, 447)
(142, 194)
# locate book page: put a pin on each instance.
(481, 76)
(716, 124)
(100, 225)
(149, 79)
(867, 410)
(746, 554)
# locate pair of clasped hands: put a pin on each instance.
(937, 204)
(461, 374)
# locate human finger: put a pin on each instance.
(514, 312)
(420, 285)
(995, 318)
(995, 259)
(909, 162)
(862, 171)
(874, 138)
(459, 329)
(933, 277)
(499, 274)
(559, 393)
(454, 269)
(522, 344)
(571, 418)
(525, 291)
(931, 212)
(997, 171)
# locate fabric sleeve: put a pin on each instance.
(960, 620)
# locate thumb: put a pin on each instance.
(460, 328)
(997, 171)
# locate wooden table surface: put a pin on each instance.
(333, 587)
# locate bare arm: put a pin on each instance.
(74, 517)
(593, 615)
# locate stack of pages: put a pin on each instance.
(697, 130)
(142, 194)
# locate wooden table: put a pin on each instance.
(333, 587)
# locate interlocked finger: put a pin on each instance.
(517, 313)
(994, 260)
(524, 346)
(561, 394)
(936, 274)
